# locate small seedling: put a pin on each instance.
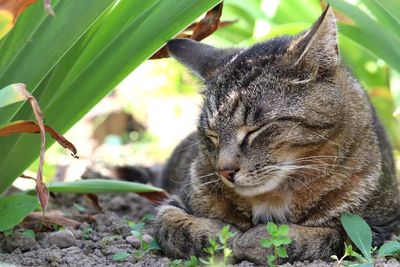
(192, 262)
(148, 218)
(391, 248)
(221, 245)
(29, 233)
(361, 235)
(278, 238)
(86, 232)
(145, 247)
(348, 252)
(176, 263)
(211, 251)
(120, 256)
(79, 207)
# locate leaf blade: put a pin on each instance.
(359, 232)
(14, 208)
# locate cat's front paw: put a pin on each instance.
(246, 245)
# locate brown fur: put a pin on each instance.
(304, 141)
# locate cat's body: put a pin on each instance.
(286, 134)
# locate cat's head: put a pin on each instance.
(269, 108)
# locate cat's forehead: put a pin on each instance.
(241, 106)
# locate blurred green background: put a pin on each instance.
(163, 97)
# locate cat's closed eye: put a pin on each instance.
(251, 133)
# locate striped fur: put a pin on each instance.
(307, 140)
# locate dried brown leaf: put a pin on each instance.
(338, 15)
(155, 197)
(15, 7)
(200, 30)
(33, 127)
(208, 24)
(51, 217)
(94, 200)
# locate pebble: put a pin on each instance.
(133, 240)
(147, 238)
(62, 239)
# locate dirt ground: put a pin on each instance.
(97, 240)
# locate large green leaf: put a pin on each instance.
(359, 232)
(14, 208)
(390, 248)
(96, 186)
(368, 33)
(83, 67)
(42, 47)
(10, 95)
(383, 16)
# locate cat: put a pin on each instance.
(286, 134)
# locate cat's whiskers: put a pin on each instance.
(325, 138)
(194, 180)
(192, 144)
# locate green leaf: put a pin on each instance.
(272, 228)
(369, 34)
(11, 94)
(283, 229)
(281, 252)
(29, 233)
(137, 234)
(94, 186)
(350, 252)
(384, 17)
(79, 207)
(266, 243)
(153, 245)
(193, 262)
(120, 256)
(359, 232)
(284, 240)
(71, 61)
(390, 248)
(137, 226)
(175, 263)
(271, 260)
(367, 264)
(14, 208)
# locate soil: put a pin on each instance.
(98, 238)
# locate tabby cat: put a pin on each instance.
(286, 134)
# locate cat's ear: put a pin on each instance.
(201, 58)
(317, 47)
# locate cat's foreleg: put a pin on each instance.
(308, 243)
(181, 234)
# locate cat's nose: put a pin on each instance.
(229, 173)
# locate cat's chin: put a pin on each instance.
(254, 190)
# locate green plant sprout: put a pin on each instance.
(221, 245)
(361, 235)
(278, 238)
(86, 232)
(349, 252)
(192, 262)
(145, 247)
(120, 256)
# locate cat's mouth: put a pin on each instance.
(251, 190)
